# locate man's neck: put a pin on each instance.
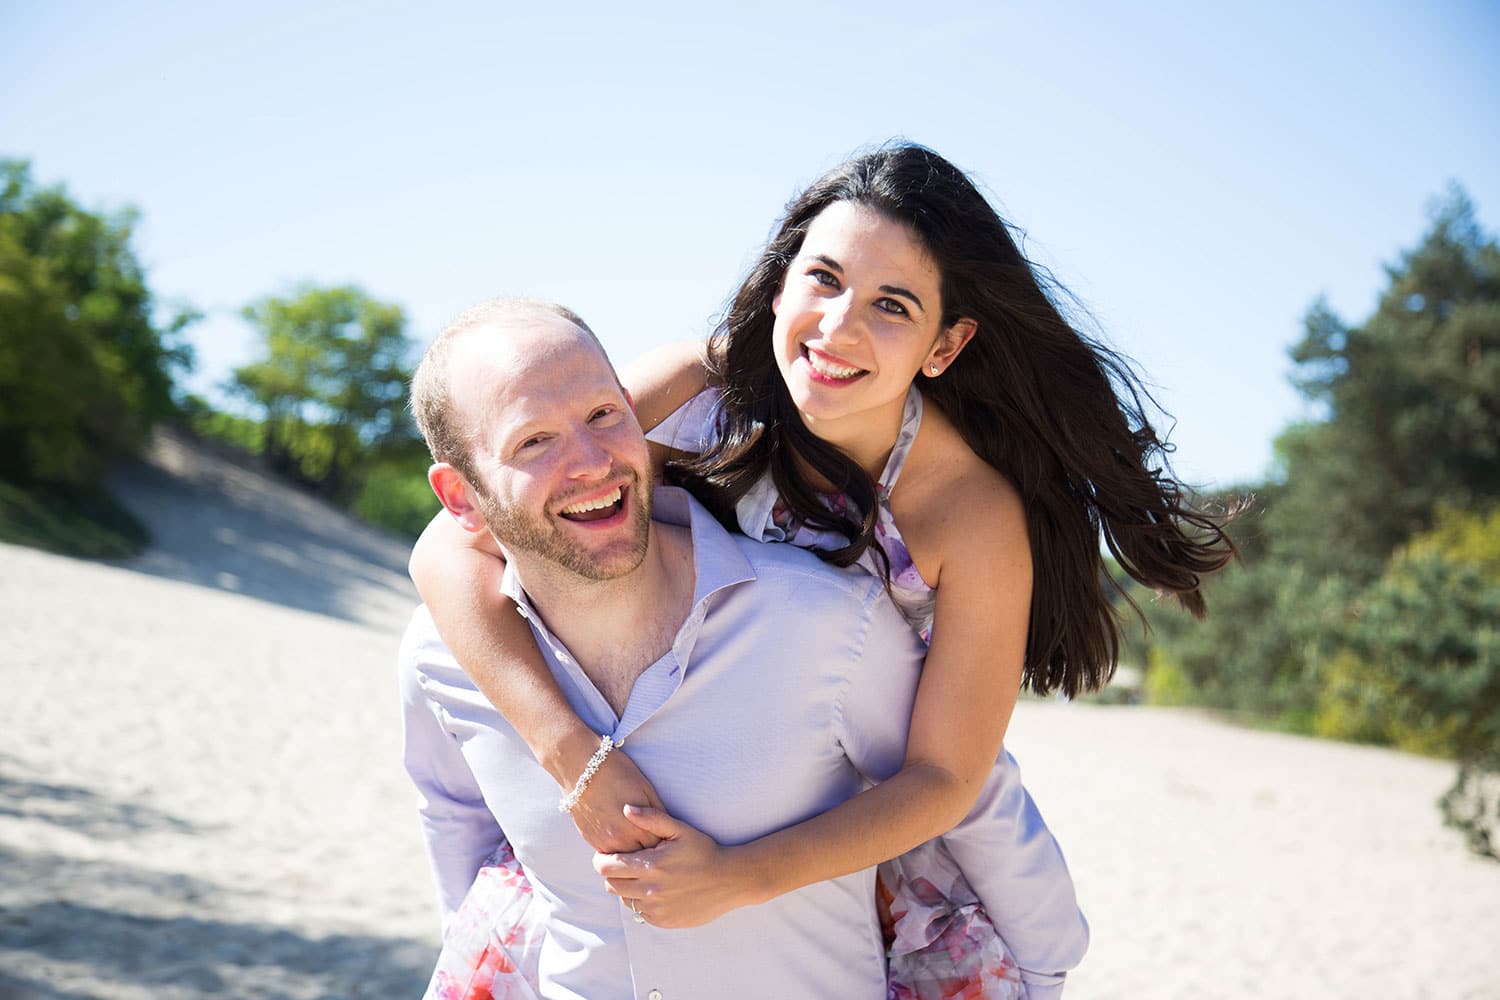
(615, 629)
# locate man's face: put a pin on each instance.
(563, 467)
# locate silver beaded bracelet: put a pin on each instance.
(570, 801)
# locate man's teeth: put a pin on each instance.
(600, 504)
(831, 369)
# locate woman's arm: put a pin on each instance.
(662, 380)
(457, 573)
(968, 687)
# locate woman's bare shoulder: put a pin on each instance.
(948, 497)
(941, 462)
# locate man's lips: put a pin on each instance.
(601, 506)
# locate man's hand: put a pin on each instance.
(685, 880)
(600, 813)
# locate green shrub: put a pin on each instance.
(1357, 702)
(82, 521)
(1262, 648)
(1166, 683)
(1428, 635)
(238, 432)
(395, 496)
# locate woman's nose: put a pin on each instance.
(837, 321)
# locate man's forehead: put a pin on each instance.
(512, 370)
(516, 346)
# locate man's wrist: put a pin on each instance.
(567, 754)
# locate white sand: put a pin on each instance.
(200, 794)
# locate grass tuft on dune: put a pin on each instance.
(83, 521)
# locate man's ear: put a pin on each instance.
(457, 496)
(629, 399)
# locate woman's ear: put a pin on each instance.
(949, 344)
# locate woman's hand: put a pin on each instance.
(600, 813)
(685, 880)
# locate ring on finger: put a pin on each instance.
(638, 918)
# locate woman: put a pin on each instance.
(894, 387)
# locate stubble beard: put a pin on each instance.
(519, 531)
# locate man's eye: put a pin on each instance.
(530, 442)
(602, 412)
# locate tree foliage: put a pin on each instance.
(1413, 405)
(84, 372)
(331, 385)
(1369, 607)
(330, 391)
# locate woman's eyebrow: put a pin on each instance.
(834, 265)
(898, 290)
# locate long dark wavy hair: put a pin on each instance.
(1054, 411)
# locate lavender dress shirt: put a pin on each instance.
(787, 689)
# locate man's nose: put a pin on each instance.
(588, 458)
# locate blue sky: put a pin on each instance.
(1197, 176)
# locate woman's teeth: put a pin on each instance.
(831, 369)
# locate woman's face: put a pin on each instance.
(857, 318)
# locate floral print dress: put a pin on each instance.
(941, 943)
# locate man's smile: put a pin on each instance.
(601, 507)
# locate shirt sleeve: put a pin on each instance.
(872, 716)
(1003, 846)
(1017, 870)
(458, 829)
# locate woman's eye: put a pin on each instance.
(824, 278)
(891, 306)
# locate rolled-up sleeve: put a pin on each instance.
(458, 829)
(1017, 869)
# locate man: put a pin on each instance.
(753, 685)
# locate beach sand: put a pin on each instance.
(201, 793)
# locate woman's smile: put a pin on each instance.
(828, 370)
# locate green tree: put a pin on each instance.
(1412, 401)
(84, 371)
(331, 385)
(1419, 664)
(1370, 607)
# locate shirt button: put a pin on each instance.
(654, 995)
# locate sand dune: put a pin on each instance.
(200, 793)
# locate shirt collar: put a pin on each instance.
(718, 562)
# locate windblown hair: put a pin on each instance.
(1055, 412)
